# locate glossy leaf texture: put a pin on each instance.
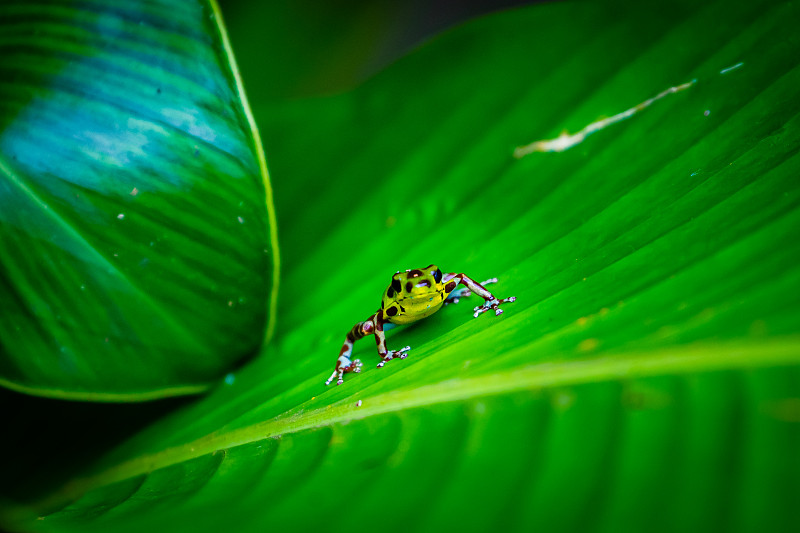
(137, 245)
(646, 378)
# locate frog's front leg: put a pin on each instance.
(464, 292)
(380, 340)
(344, 364)
(492, 302)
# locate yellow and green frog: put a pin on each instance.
(412, 295)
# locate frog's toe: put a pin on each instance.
(328, 381)
(480, 309)
(394, 354)
(336, 373)
(494, 305)
(343, 367)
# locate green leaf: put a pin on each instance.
(136, 226)
(646, 378)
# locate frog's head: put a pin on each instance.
(414, 293)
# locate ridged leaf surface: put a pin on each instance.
(137, 259)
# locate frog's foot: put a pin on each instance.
(394, 354)
(494, 305)
(342, 368)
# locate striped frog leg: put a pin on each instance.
(343, 363)
(472, 286)
(374, 325)
(380, 340)
(464, 292)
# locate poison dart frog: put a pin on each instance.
(412, 295)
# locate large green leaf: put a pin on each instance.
(646, 379)
(138, 254)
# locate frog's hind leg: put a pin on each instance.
(344, 364)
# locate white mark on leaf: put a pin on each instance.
(565, 141)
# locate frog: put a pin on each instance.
(411, 296)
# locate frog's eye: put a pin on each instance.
(437, 275)
(396, 285)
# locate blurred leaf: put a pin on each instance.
(323, 48)
(137, 260)
(646, 379)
